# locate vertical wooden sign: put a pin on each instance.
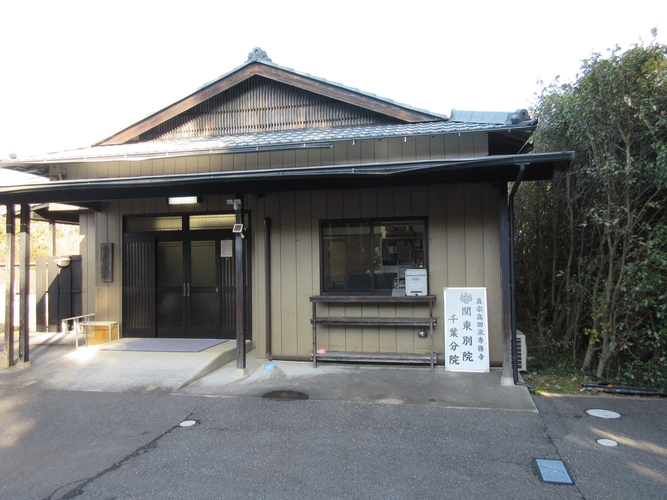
(466, 330)
(106, 262)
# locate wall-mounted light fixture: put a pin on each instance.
(185, 200)
(63, 262)
(236, 202)
(238, 229)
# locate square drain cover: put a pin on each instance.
(553, 471)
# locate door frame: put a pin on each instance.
(147, 324)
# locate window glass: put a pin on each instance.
(175, 222)
(370, 256)
(212, 221)
(348, 256)
(168, 223)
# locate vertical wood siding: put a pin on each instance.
(342, 153)
(463, 251)
(463, 244)
(259, 104)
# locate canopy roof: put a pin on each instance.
(483, 169)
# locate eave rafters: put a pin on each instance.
(274, 73)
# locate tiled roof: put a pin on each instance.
(296, 138)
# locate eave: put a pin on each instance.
(485, 169)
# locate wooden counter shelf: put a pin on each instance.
(379, 357)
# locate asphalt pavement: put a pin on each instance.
(59, 443)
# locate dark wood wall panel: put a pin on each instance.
(138, 288)
(259, 104)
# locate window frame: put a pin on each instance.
(372, 223)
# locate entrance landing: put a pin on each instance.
(97, 369)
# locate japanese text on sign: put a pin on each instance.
(466, 330)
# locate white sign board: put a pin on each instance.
(466, 330)
(226, 248)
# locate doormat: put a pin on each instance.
(164, 345)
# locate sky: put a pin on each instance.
(75, 72)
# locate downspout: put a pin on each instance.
(241, 369)
(267, 284)
(510, 212)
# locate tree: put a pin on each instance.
(67, 239)
(592, 244)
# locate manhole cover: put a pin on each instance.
(595, 412)
(607, 442)
(285, 395)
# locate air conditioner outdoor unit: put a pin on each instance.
(521, 353)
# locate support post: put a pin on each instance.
(53, 285)
(9, 285)
(24, 287)
(40, 294)
(52, 239)
(240, 316)
(510, 210)
(53, 313)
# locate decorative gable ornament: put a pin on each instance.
(258, 54)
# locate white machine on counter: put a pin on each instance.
(416, 282)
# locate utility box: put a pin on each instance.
(416, 282)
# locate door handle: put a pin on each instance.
(184, 290)
(188, 289)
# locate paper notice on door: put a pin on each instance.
(226, 248)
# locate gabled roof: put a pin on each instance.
(258, 64)
(326, 112)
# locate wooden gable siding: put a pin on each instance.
(433, 147)
(259, 105)
(463, 251)
(321, 87)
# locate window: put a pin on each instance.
(204, 222)
(153, 223)
(370, 256)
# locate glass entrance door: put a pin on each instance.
(170, 289)
(187, 280)
(177, 280)
(203, 290)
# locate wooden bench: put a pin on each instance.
(76, 321)
(429, 322)
(82, 325)
(99, 332)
